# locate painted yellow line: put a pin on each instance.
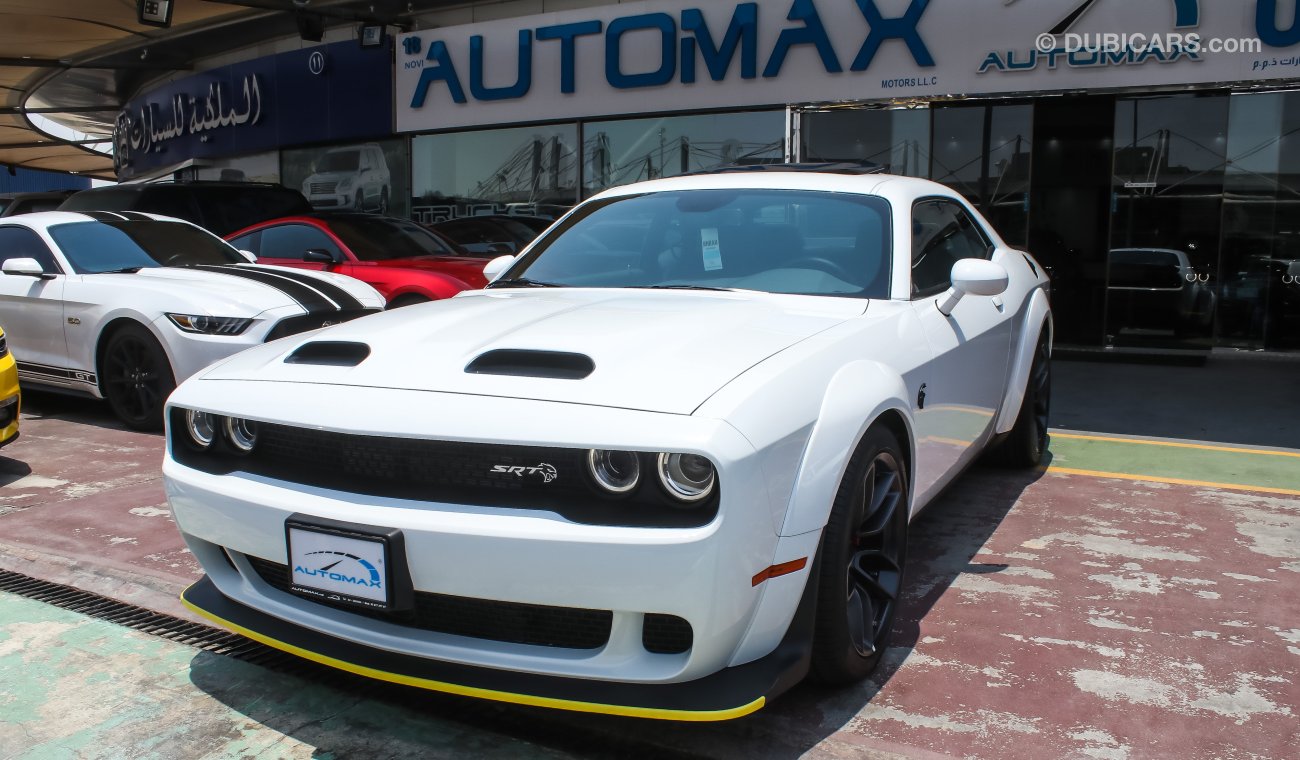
(1175, 481)
(1176, 444)
(498, 696)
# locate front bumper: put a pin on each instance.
(10, 400)
(726, 695)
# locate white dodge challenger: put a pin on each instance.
(662, 467)
(123, 305)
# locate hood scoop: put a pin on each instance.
(329, 354)
(554, 365)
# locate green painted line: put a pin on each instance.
(73, 686)
(1244, 468)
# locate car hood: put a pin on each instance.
(468, 270)
(214, 293)
(663, 351)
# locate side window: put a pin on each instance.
(251, 242)
(22, 243)
(291, 241)
(942, 234)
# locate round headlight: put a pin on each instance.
(242, 434)
(617, 472)
(687, 477)
(201, 426)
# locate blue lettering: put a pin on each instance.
(742, 32)
(994, 61)
(1031, 61)
(1266, 25)
(1189, 13)
(813, 32)
(523, 81)
(667, 29)
(445, 71)
(566, 34)
(901, 28)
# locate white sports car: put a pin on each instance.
(662, 467)
(123, 305)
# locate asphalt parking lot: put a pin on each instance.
(1134, 599)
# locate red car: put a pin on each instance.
(402, 260)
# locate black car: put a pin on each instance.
(504, 232)
(12, 204)
(219, 207)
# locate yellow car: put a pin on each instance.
(9, 395)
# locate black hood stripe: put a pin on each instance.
(345, 300)
(308, 299)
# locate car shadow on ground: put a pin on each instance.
(82, 410)
(942, 544)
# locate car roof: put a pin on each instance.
(41, 220)
(866, 184)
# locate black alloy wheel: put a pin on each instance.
(1027, 442)
(864, 548)
(136, 378)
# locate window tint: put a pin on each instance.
(1145, 269)
(168, 201)
(22, 243)
(375, 238)
(252, 242)
(291, 241)
(228, 209)
(942, 234)
(93, 247)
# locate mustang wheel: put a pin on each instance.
(1025, 444)
(861, 564)
(136, 378)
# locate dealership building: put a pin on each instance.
(1147, 153)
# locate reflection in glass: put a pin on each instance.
(896, 139)
(1168, 195)
(528, 170)
(632, 150)
(983, 152)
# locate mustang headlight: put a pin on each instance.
(204, 325)
(615, 472)
(202, 428)
(688, 478)
(241, 434)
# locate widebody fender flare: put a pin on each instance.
(1037, 317)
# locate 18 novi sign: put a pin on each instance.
(698, 44)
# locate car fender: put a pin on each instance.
(858, 394)
(430, 285)
(1038, 316)
(84, 355)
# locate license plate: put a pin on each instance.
(350, 565)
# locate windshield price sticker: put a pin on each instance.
(711, 249)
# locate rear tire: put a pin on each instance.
(863, 551)
(136, 377)
(1025, 445)
(409, 299)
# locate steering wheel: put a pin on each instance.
(823, 264)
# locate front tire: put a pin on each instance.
(1025, 445)
(863, 551)
(136, 377)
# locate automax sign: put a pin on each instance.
(658, 55)
(326, 93)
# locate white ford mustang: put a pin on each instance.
(663, 467)
(124, 305)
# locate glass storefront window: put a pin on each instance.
(983, 152)
(897, 139)
(621, 152)
(527, 170)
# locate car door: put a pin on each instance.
(31, 309)
(965, 381)
(285, 244)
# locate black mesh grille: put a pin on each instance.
(666, 634)
(564, 627)
(485, 474)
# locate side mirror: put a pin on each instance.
(976, 277)
(322, 256)
(252, 257)
(496, 267)
(25, 268)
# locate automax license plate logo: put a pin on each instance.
(331, 565)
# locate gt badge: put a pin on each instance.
(547, 471)
(74, 321)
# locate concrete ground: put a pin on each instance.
(1135, 599)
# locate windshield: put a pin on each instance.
(777, 241)
(92, 247)
(339, 161)
(378, 238)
